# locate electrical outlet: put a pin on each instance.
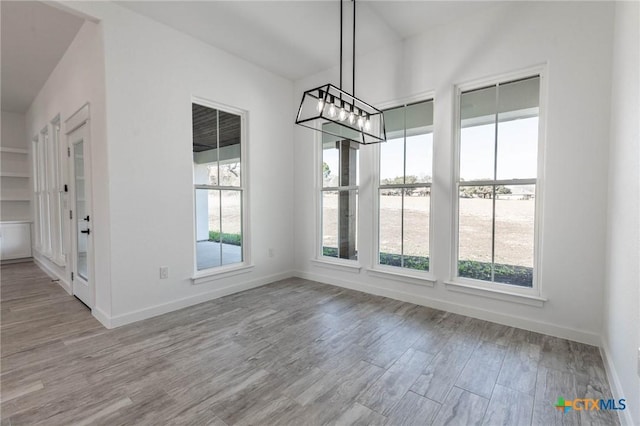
(272, 252)
(164, 272)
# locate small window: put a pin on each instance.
(218, 185)
(497, 182)
(404, 194)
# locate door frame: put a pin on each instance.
(78, 120)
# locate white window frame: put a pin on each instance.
(35, 147)
(56, 195)
(531, 296)
(223, 271)
(48, 186)
(408, 275)
(347, 265)
(43, 193)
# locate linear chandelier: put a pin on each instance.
(338, 114)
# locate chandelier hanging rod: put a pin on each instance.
(335, 112)
(353, 48)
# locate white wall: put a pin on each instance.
(152, 72)
(77, 79)
(574, 40)
(12, 133)
(621, 336)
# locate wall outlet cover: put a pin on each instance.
(164, 272)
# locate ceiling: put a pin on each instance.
(34, 38)
(295, 39)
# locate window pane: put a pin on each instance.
(391, 227)
(205, 145)
(519, 96)
(231, 235)
(61, 210)
(419, 160)
(416, 228)
(475, 231)
(229, 148)
(348, 158)
(347, 224)
(419, 118)
(394, 123)
(477, 134)
(207, 228)
(330, 223)
(518, 129)
(518, 148)
(419, 141)
(392, 162)
(330, 168)
(514, 235)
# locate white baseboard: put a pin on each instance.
(66, 285)
(152, 311)
(509, 320)
(614, 382)
(104, 319)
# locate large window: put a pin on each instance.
(405, 186)
(497, 177)
(339, 198)
(218, 184)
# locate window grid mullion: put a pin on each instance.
(404, 180)
(495, 177)
(402, 229)
(220, 218)
(338, 210)
(503, 182)
(407, 185)
(219, 188)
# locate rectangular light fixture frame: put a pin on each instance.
(327, 119)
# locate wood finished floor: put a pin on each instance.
(293, 352)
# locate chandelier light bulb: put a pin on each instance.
(342, 115)
(360, 122)
(352, 118)
(367, 125)
(320, 105)
(332, 111)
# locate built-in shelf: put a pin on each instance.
(15, 196)
(14, 175)
(14, 150)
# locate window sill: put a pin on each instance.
(506, 296)
(423, 279)
(341, 265)
(203, 277)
